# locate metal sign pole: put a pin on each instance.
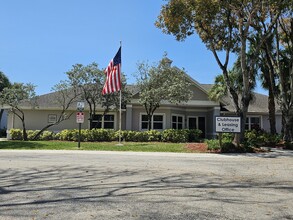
(79, 134)
(79, 119)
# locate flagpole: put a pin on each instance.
(120, 120)
(120, 101)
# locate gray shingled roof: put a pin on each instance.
(46, 101)
(258, 104)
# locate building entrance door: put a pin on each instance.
(197, 123)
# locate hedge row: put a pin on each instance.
(169, 135)
(252, 139)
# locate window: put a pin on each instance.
(177, 122)
(157, 122)
(252, 123)
(109, 121)
(106, 122)
(144, 122)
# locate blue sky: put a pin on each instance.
(42, 39)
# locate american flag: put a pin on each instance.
(113, 74)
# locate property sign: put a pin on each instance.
(228, 124)
(79, 117)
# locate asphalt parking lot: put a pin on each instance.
(126, 185)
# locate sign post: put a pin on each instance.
(79, 119)
(227, 125)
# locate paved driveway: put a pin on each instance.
(112, 185)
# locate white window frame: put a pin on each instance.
(249, 120)
(178, 115)
(155, 114)
(103, 121)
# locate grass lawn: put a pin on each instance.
(103, 146)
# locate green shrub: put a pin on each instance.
(141, 136)
(169, 135)
(227, 137)
(153, 135)
(127, 135)
(194, 135)
(175, 136)
(16, 134)
(31, 134)
(99, 135)
(65, 135)
(47, 136)
(213, 144)
(258, 138)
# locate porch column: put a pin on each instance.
(128, 117)
(211, 122)
(216, 112)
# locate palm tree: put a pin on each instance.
(268, 79)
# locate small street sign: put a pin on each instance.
(80, 106)
(79, 117)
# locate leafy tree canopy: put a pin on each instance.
(160, 83)
(4, 81)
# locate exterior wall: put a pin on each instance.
(264, 120)
(37, 119)
(198, 94)
(211, 122)
(266, 123)
(138, 110)
(168, 112)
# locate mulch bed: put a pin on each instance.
(199, 148)
(203, 148)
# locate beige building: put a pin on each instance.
(197, 113)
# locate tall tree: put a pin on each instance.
(15, 96)
(4, 83)
(224, 26)
(283, 63)
(160, 83)
(89, 81)
(268, 79)
(279, 60)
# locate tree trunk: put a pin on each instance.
(41, 131)
(149, 122)
(24, 134)
(1, 114)
(288, 125)
(239, 137)
(272, 111)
